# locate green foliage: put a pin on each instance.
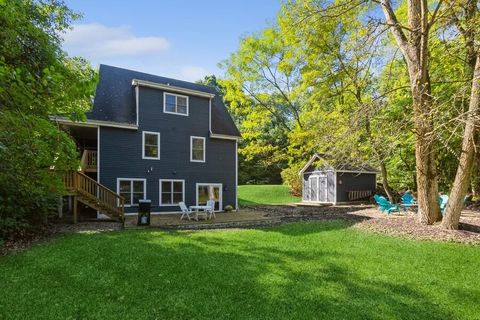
(351, 89)
(33, 155)
(322, 270)
(292, 179)
(37, 79)
(260, 91)
(265, 195)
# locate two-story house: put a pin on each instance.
(150, 137)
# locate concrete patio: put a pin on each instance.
(172, 220)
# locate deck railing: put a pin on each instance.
(89, 160)
(81, 184)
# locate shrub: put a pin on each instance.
(293, 180)
(228, 208)
(30, 147)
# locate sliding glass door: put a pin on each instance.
(209, 191)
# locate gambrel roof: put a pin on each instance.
(115, 98)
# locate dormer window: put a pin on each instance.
(175, 104)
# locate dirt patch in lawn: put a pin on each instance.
(367, 217)
(22, 241)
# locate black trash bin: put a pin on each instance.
(144, 212)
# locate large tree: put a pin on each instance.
(466, 21)
(413, 41)
(37, 79)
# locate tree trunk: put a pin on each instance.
(415, 51)
(427, 184)
(467, 156)
(386, 187)
(426, 170)
(476, 174)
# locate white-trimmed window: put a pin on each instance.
(151, 145)
(197, 149)
(132, 190)
(175, 103)
(172, 192)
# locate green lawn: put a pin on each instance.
(299, 271)
(265, 194)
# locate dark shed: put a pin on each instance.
(324, 183)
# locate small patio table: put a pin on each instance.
(203, 211)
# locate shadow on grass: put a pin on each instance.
(206, 275)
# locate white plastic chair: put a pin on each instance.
(211, 208)
(185, 210)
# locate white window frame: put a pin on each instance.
(143, 145)
(204, 149)
(176, 96)
(131, 186)
(160, 192)
(220, 193)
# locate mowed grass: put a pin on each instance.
(265, 194)
(322, 270)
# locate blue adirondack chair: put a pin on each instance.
(408, 201)
(384, 205)
(442, 201)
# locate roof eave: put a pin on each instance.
(155, 85)
(224, 136)
(93, 123)
(309, 163)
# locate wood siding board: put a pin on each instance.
(121, 152)
(354, 182)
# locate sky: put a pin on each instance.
(182, 39)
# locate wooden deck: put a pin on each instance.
(172, 220)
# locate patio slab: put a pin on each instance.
(172, 220)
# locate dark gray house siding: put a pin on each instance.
(120, 149)
(121, 152)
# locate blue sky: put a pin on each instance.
(183, 39)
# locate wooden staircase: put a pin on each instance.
(93, 194)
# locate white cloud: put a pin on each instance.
(192, 73)
(96, 41)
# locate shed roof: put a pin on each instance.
(344, 167)
(115, 98)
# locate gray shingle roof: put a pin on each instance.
(115, 98)
(335, 165)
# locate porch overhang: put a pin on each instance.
(93, 123)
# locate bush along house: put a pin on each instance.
(150, 137)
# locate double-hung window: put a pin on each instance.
(176, 104)
(172, 192)
(197, 149)
(132, 190)
(151, 145)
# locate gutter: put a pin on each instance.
(167, 87)
(94, 123)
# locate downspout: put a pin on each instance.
(137, 101)
(210, 116)
(335, 188)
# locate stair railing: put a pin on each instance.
(87, 187)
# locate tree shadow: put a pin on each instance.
(469, 227)
(249, 274)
